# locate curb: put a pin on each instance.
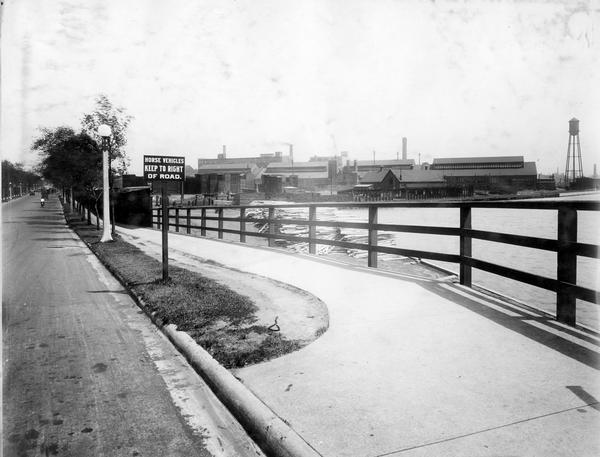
(269, 431)
(265, 427)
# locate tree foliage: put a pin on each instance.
(69, 159)
(118, 120)
(15, 176)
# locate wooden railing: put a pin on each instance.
(565, 245)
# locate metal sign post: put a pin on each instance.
(164, 169)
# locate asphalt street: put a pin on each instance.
(85, 372)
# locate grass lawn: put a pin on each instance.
(220, 320)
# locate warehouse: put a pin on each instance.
(504, 174)
(228, 177)
(306, 175)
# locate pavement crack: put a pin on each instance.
(398, 451)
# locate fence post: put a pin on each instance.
(566, 268)
(372, 257)
(465, 245)
(188, 221)
(220, 221)
(242, 225)
(271, 226)
(203, 223)
(312, 229)
(176, 219)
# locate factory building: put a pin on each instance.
(261, 161)
(445, 177)
(425, 184)
(306, 175)
(353, 172)
(364, 166)
(229, 177)
(496, 174)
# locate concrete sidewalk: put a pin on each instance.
(416, 367)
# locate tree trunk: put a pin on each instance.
(112, 215)
(97, 217)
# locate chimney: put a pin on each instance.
(292, 153)
(355, 166)
(404, 141)
(595, 174)
(224, 152)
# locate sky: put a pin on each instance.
(456, 78)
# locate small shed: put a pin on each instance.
(383, 180)
(133, 206)
(377, 185)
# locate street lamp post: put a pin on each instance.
(111, 190)
(104, 131)
(10, 190)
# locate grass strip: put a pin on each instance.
(219, 319)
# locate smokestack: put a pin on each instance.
(404, 148)
(595, 174)
(224, 151)
(292, 154)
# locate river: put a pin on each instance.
(535, 223)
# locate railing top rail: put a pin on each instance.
(584, 205)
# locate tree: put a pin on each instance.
(118, 120)
(69, 160)
(16, 179)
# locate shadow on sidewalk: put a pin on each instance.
(526, 324)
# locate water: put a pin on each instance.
(535, 223)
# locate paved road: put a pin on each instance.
(84, 372)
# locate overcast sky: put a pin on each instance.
(457, 78)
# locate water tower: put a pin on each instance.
(574, 168)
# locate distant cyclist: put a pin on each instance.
(44, 197)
